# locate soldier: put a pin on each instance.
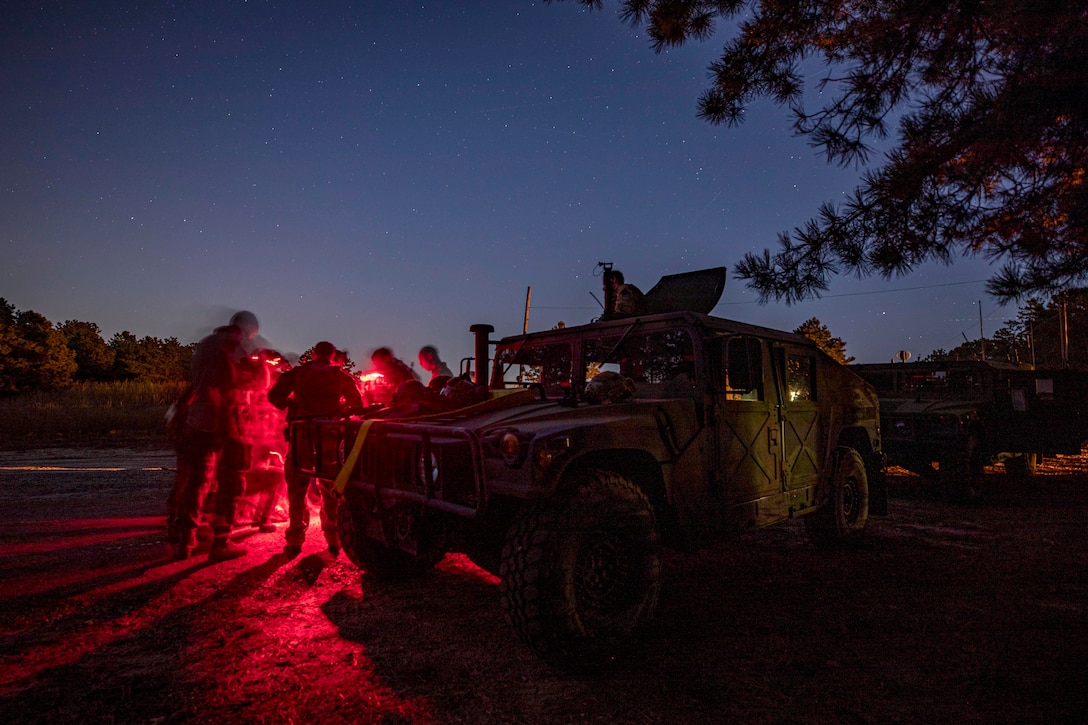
(429, 361)
(318, 388)
(396, 373)
(216, 433)
(622, 299)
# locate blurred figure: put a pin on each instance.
(396, 373)
(265, 495)
(432, 363)
(318, 388)
(216, 434)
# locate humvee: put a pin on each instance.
(947, 420)
(592, 447)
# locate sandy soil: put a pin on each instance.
(946, 614)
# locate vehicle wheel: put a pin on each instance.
(1022, 466)
(844, 516)
(374, 557)
(580, 574)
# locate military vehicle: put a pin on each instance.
(586, 449)
(947, 420)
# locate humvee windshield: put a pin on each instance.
(661, 363)
(932, 383)
(547, 364)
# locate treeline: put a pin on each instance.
(1036, 336)
(36, 354)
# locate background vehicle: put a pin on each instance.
(593, 446)
(946, 420)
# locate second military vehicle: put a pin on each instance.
(947, 420)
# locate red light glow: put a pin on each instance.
(108, 585)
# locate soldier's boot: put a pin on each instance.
(298, 521)
(295, 536)
(223, 549)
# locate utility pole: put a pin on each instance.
(525, 327)
(525, 324)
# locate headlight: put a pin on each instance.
(510, 448)
(543, 458)
(549, 450)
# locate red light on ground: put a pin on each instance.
(461, 564)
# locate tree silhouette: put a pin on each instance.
(33, 353)
(817, 331)
(1034, 337)
(990, 101)
(148, 358)
(94, 359)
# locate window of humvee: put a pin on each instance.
(660, 363)
(800, 377)
(743, 369)
(549, 365)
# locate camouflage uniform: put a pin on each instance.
(629, 301)
(316, 388)
(396, 372)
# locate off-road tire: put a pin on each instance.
(844, 515)
(373, 557)
(581, 573)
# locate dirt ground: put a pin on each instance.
(947, 613)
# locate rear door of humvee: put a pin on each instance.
(798, 416)
(747, 434)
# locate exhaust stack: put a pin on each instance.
(482, 333)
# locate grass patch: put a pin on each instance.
(88, 414)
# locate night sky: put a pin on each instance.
(391, 173)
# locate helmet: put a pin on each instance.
(324, 350)
(246, 321)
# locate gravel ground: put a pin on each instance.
(946, 614)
